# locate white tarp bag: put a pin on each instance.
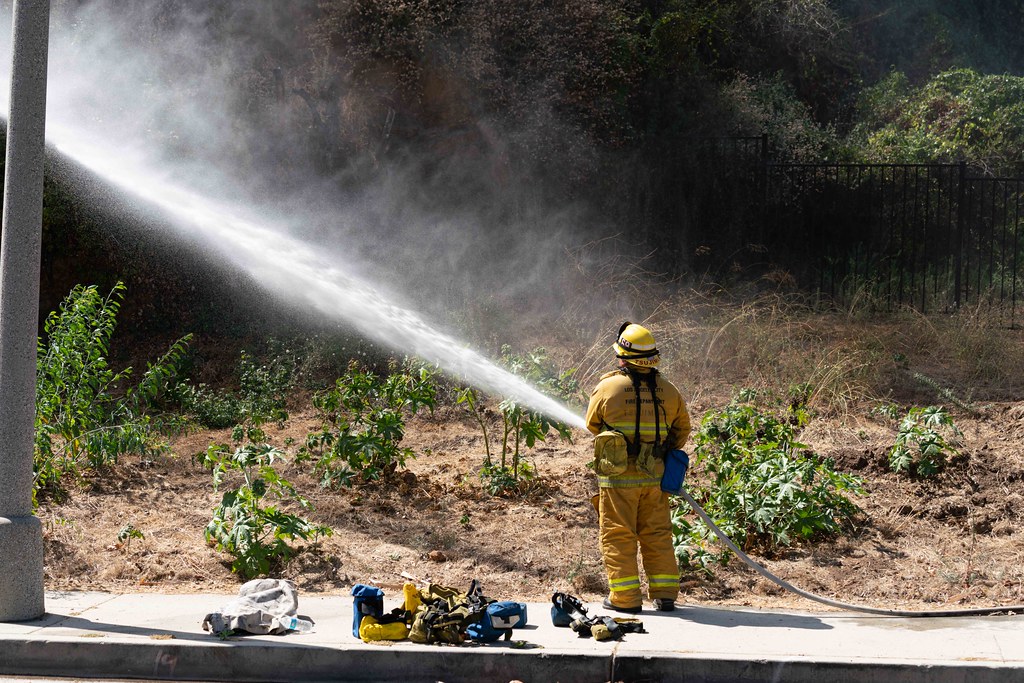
(263, 606)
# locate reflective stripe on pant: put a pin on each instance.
(632, 517)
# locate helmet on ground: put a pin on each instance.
(635, 345)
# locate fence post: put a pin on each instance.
(763, 190)
(961, 194)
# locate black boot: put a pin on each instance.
(607, 604)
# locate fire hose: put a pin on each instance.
(980, 611)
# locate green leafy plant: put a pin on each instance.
(469, 397)
(126, 534)
(747, 395)
(766, 489)
(498, 479)
(260, 399)
(243, 525)
(209, 407)
(263, 389)
(88, 415)
(363, 423)
(521, 428)
(921, 442)
(886, 410)
(799, 396)
(959, 114)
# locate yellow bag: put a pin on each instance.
(371, 630)
(610, 453)
(649, 463)
(412, 599)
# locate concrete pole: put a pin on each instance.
(21, 537)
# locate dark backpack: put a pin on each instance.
(497, 621)
(366, 601)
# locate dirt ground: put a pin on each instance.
(948, 542)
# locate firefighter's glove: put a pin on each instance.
(581, 627)
(607, 628)
(629, 625)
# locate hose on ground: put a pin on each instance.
(980, 611)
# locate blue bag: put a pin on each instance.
(565, 609)
(367, 601)
(498, 619)
(676, 463)
(560, 617)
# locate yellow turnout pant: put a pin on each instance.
(630, 517)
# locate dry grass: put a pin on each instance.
(714, 344)
(954, 539)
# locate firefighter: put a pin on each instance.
(632, 508)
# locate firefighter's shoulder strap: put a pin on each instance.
(651, 380)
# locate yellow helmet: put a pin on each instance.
(635, 345)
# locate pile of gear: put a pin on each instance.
(435, 614)
(568, 611)
(440, 614)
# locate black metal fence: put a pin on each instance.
(932, 236)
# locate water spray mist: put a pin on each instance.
(291, 269)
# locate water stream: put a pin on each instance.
(297, 272)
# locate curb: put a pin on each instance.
(158, 637)
(240, 660)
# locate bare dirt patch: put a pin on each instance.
(951, 541)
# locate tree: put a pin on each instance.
(959, 114)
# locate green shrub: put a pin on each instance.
(211, 408)
(264, 385)
(521, 427)
(959, 114)
(500, 479)
(921, 445)
(260, 398)
(363, 423)
(766, 489)
(255, 534)
(87, 415)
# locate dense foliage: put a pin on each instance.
(957, 115)
(591, 107)
(765, 488)
(263, 386)
(362, 423)
(88, 415)
(247, 526)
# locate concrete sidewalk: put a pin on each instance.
(101, 635)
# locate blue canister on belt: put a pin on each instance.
(676, 463)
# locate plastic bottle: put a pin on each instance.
(297, 624)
